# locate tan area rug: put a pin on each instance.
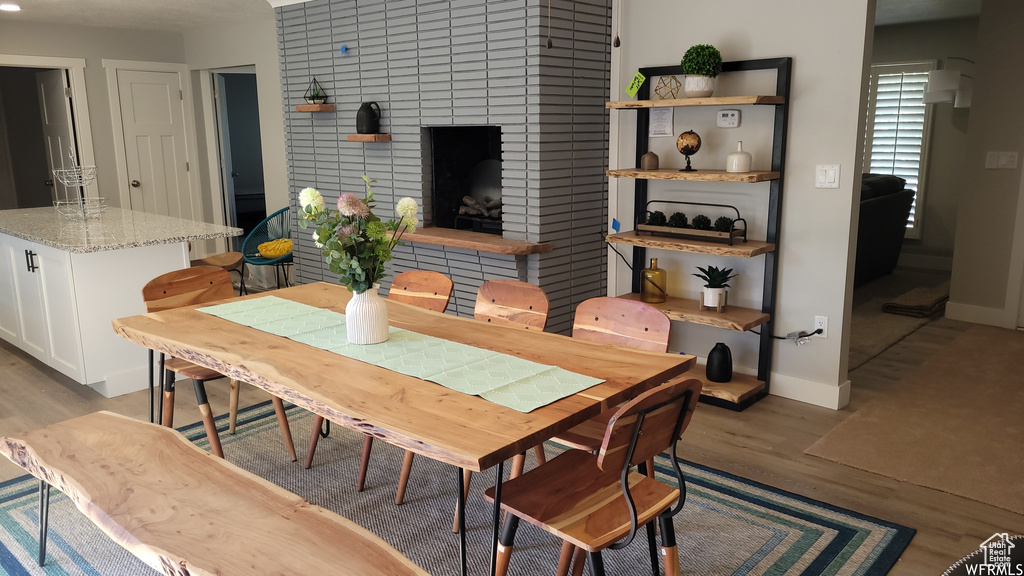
(956, 425)
(872, 331)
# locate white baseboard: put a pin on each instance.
(925, 261)
(980, 315)
(825, 395)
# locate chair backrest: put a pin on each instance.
(196, 285)
(422, 288)
(623, 323)
(649, 424)
(512, 303)
(277, 225)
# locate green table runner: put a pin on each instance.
(500, 378)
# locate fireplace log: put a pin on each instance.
(496, 213)
(491, 204)
(472, 211)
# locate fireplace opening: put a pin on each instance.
(465, 177)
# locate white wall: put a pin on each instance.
(825, 128)
(249, 43)
(947, 162)
(93, 44)
(988, 260)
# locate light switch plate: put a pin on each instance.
(826, 176)
(991, 160)
(728, 118)
(1008, 160)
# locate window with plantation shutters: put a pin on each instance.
(897, 128)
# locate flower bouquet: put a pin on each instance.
(356, 245)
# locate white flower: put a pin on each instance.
(316, 240)
(311, 197)
(411, 222)
(406, 208)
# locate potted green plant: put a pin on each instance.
(716, 282)
(701, 64)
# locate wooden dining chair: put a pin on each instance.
(597, 501)
(230, 261)
(188, 287)
(421, 288)
(509, 303)
(619, 322)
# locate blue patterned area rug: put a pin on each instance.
(729, 525)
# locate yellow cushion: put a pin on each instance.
(275, 248)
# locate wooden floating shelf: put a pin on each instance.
(741, 388)
(490, 243)
(732, 318)
(696, 175)
(720, 101)
(747, 249)
(369, 137)
(314, 107)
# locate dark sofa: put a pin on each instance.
(884, 210)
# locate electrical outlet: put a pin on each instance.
(821, 323)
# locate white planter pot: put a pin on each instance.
(366, 318)
(710, 296)
(698, 86)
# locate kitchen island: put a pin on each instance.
(63, 281)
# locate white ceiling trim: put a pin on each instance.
(279, 3)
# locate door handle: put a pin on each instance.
(48, 182)
(30, 261)
(136, 183)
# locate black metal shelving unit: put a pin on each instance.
(783, 67)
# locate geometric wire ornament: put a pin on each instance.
(668, 87)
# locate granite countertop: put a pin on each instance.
(115, 229)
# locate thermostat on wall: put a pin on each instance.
(728, 118)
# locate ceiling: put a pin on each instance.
(904, 11)
(166, 15)
(179, 15)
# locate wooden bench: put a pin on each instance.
(183, 511)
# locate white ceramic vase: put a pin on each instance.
(738, 161)
(711, 296)
(366, 318)
(698, 86)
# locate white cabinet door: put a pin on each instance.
(29, 296)
(58, 293)
(10, 328)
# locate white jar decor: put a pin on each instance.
(738, 161)
(698, 86)
(366, 317)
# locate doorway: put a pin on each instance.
(241, 151)
(37, 136)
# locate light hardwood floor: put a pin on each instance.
(765, 443)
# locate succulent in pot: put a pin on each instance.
(716, 282)
(701, 64)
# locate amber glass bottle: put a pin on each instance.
(653, 283)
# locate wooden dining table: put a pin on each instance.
(463, 430)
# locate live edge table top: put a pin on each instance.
(459, 429)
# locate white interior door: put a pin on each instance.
(55, 110)
(152, 119)
(224, 139)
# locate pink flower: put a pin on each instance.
(346, 231)
(350, 205)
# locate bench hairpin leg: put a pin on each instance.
(44, 518)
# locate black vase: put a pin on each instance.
(720, 363)
(368, 118)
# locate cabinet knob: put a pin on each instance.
(136, 183)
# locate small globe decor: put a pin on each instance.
(688, 143)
